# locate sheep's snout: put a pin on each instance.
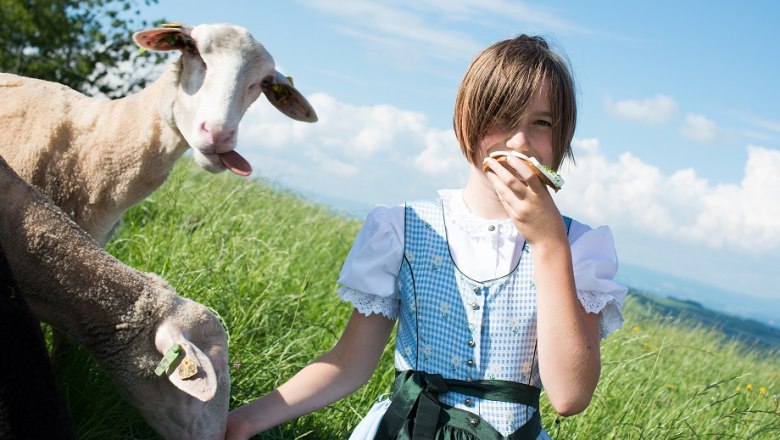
(215, 149)
(217, 138)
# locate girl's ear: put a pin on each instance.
(173, 36)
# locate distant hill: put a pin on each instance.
(741, 304)
(753, 333)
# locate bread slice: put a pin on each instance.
(546, 175)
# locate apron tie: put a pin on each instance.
(415, 401)
(413, 390)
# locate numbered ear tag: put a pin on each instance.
(281, 92)
(170, 357)
(187, 369)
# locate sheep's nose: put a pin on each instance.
(217, 135)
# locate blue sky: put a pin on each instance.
(677, 143)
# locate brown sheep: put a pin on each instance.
(127, 320)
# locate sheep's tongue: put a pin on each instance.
(236, 163)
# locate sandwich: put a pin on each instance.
(545, 174)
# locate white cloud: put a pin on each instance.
(633, 194)
(489, 11)
(332, 166)
(384, 152)
(348, 137)
(438, 156)
(758, 135)
(699, 128)
(397, 28)
(761, 129)
(343, 129)
(657, 110)
(432, 29)
(766, 124)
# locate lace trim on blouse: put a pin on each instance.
(366, 303)
(606, 305)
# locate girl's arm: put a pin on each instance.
(339, 372)
(568, 337)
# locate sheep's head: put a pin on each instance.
(223, 71)
(184, 393)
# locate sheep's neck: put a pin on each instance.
(136, 146)
(144, 126)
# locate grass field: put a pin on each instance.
(267, 262)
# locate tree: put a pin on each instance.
(86, 45)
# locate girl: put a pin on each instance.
(494, 291)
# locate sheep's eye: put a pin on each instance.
(191, 48)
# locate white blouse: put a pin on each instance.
(482, 250)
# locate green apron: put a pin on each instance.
(416, 413)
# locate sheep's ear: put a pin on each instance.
(280, 92)
(191, 370)
(173, 36)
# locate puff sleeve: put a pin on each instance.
(369, 275)
(595, 264)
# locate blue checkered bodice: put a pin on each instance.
(462, 328)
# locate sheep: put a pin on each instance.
(28, 389)
(95, 158)
(127, 320)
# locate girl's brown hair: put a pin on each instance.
(498, 87)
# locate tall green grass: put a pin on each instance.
(267, 262)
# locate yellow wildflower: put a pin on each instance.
(635, 329)
(761, 390)
(749, 387)
(739, 389)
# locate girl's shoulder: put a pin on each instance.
(382, 217)
(578, 231)
(393, 216)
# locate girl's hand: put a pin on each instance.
(237, 427)
(527, 201)
(334, 375)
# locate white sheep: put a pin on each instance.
(126, 319)
(95, 158)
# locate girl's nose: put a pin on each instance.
(517, 140)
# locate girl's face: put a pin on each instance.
(532, 135)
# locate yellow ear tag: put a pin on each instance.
(187, 368)
(173, 24)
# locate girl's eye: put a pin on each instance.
(543, 123)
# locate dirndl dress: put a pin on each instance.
(465, 357)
